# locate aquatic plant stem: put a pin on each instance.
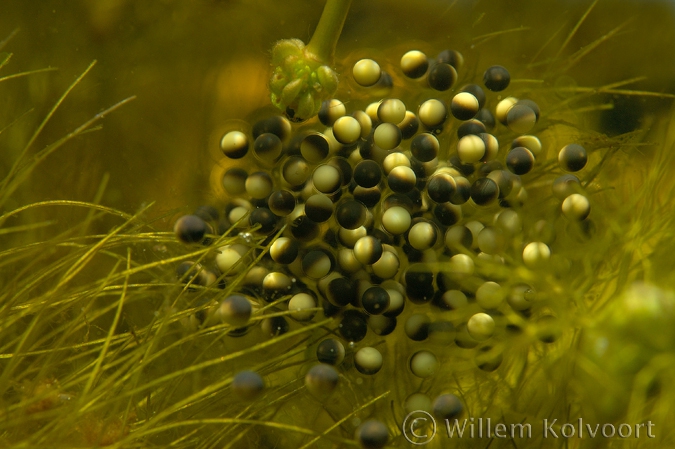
(302, 77)
(325, 37)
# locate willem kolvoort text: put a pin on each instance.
(485, 428)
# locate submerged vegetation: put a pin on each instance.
(119, 330)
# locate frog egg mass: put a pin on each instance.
(424, 228)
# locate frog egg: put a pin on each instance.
(452, 57)
(372, 435)
(349, 237)
(463, 191)
(207, 213)
(504, 180)
(347, 130)
(259, 185)
(330, 351)
(414, 64)
(365, 122)
(319, 208)
(300, 307)
(572, 157)
(275, 285)
(442, 76)
(368, 360)
(470, 149)
(281, 202)
(317, 264)
(353, 327)
(491, 146)
(521, 118)
(367, 197)
(488, 358)
(490, 295)
(409, 125)
(496, 78)
(371, 111)
(417, 327)
(484, 191)
(351, 214)
(422, 235)
(237, 214)
(423, 364)
(191, 272)
(263, 219)
(441, 187)
(576, 207)
(419, 280)
(368, 250)
(366, 72)
(229, 257)
(235, 310)
(295, 171)
(274, 326)
(460, 266)
(565, 185)
(284, 250)
(458, 238)
(503, 108)
(387, 136)
(247, 385)
(417, 401)
(442, 332)
(391, 110)
(304, 229)
(509, 221)
(486, 118)
(321, 381)
(452, 300)
(536, 254)
(327, 179)
(314, 147)
(521, 297)
(396, 220)
(432, 113)
(234, 144)
(330, 111)
(393, 160)
(424, 147)
(447, 406)
(491, 240)
(375, 300)
(337, 289)
(234, 181)
(471, 126)
(464, 106)
(481, 326)
(387, 265)
(267, 148)
(347, 261)
(278, 125)
(520, 161)
(367, 173)
(530, 142)
(396, 298)
(191, 229)
(401, 179)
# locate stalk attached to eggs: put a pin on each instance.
(302, 77)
